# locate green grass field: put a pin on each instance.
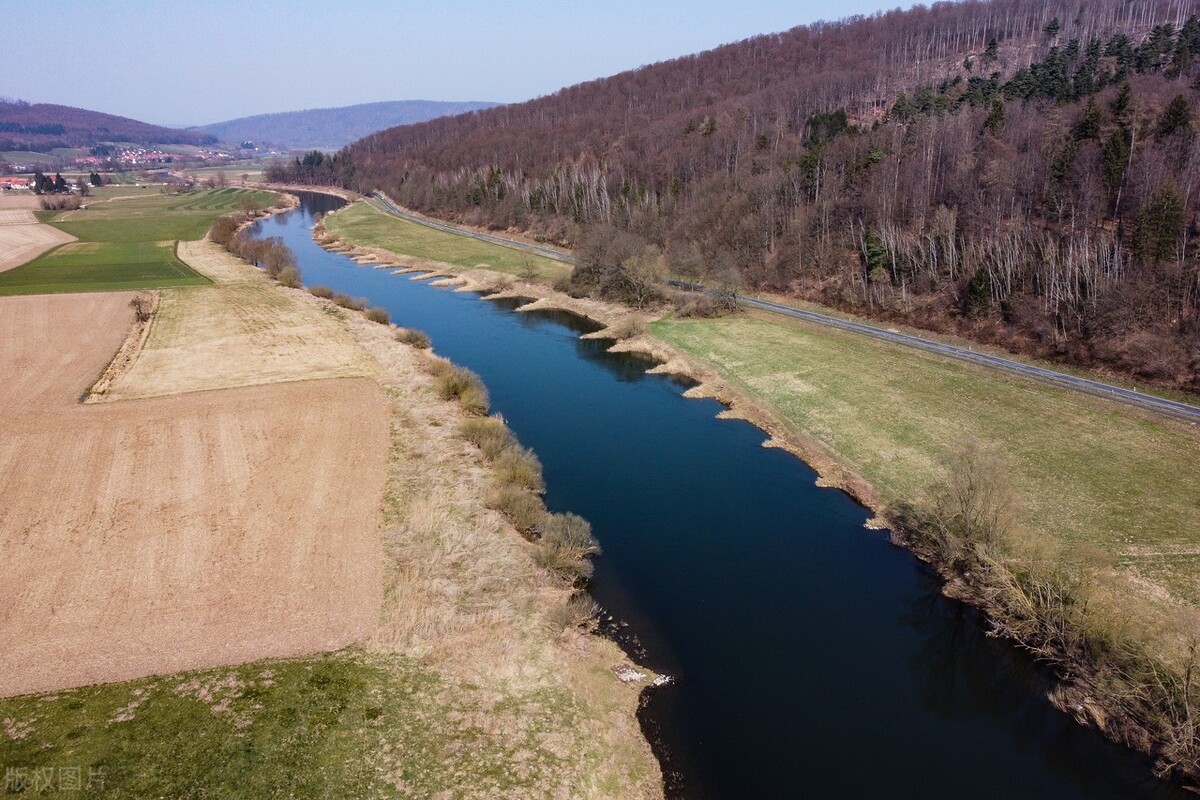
(101, 266)
(154, 217)
(363, 224)
(126, 241)
(342, 725)
(1085, 471)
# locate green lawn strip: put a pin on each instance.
(1085, 470)
(100, 266)
(364, 225)
(343, 725)
(154, 217)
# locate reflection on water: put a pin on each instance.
(812, 657)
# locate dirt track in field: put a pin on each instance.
(154, 535)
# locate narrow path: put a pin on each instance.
(1172, 408)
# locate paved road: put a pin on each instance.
(1171, 408)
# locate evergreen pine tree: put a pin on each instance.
(1159, 227)
(1177, 116)
(1088, 124)
(994, 124)
(1115, 158)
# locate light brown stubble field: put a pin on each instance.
(22, 237)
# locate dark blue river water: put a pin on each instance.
(812, 658)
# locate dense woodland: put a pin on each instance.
(41, 127)
(1022, 172)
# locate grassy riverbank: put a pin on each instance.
(472, 683)
(1086, 471)
(363, 224)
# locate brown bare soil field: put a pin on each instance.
(19, 200)
(157, 535)
(17, 216)
(23, 238)
(52, 346)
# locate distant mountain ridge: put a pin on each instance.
(333, 127)
(43, 126)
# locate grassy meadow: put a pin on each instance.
(1088, 472)
(127, 240)
(363, 224)
(309, 727)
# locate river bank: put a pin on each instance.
(464, 596)
(734, 387)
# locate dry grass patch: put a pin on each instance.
(239, 332)
(413, 338)
(467, 599)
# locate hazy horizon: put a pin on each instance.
(178, 66)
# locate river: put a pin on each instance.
(811, 657)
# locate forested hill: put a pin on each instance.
(332, 127)
(1023, 172)
(44, 126)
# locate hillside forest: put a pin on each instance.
(1024, 173)
(42, 127)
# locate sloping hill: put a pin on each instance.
(44, 126)
(333, 127)
(1027, 173)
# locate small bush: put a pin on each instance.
(565, 544)
(524, 509)
(323, 292)
(564, 564)
(474, 400)
(379, 315)
(413, 338)
(569, 532)
(563, 284)
(463, 385)
(500, 283)
(627, 328)
(289, 277)
(346, 301)
(707, 305)
(225, 228)
(580, 611)
(142, 306)
(489, 434)
(62, 202)
(516, 466)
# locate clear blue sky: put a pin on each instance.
(173, 62)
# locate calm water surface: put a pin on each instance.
(812, 658)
